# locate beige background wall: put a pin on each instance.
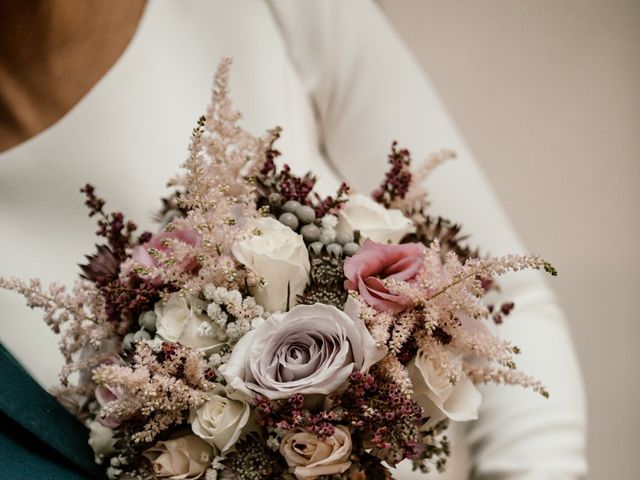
(547, 94)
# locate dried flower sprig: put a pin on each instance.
(216, 192)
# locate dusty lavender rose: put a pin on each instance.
(141, 255)
(375, 262)
(309, 457)
(312, 349)
(183, 458)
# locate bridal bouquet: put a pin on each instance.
(267, 332)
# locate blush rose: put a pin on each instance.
(183, 458)
(141, 255)
(310, 457)
(375, 262)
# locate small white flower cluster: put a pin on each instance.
(219, 358)
(329, 222)
(214, 470)
(231, 312)
(114, 471)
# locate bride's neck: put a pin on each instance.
(51, 53)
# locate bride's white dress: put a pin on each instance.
(336, 77)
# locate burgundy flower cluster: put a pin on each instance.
(291, 413)
(292, 187)
(397, 179)
(387, 418)
(124, 298)
(383, 418)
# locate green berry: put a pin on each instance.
(290, 220)
(127, 342)
(291, 206)
(275, 200)
(327, 236)
(334, 250)
(316, 248)
(350, 249)
(305, 214)
(310, 233)
(343, 238)
(141, 335)
(147, 320)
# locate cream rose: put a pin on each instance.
(221, 420)
(280, 257)
(438, 396)
(101, 440)
(373, 220)
(309, 457)
(181, 320)
(183, 458)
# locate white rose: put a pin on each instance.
(179, 320)
(100, 440)
(221, 420)
(438, 396)
(280, 257)
(380, 224)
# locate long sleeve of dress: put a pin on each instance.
(367, 90)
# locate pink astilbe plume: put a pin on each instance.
(217, 193)
(78, 316)
(447, 317)
(158, 388)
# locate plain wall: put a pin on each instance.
(546, 94)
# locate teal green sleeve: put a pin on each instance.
(38, 437)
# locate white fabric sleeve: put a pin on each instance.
(367, 90)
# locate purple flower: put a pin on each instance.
(312, 349)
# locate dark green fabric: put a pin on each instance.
(24, 457)
(39, 438)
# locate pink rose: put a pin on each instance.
(375, 262)
(141, 255)
(104, 396)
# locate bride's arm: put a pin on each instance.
(367, 90)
